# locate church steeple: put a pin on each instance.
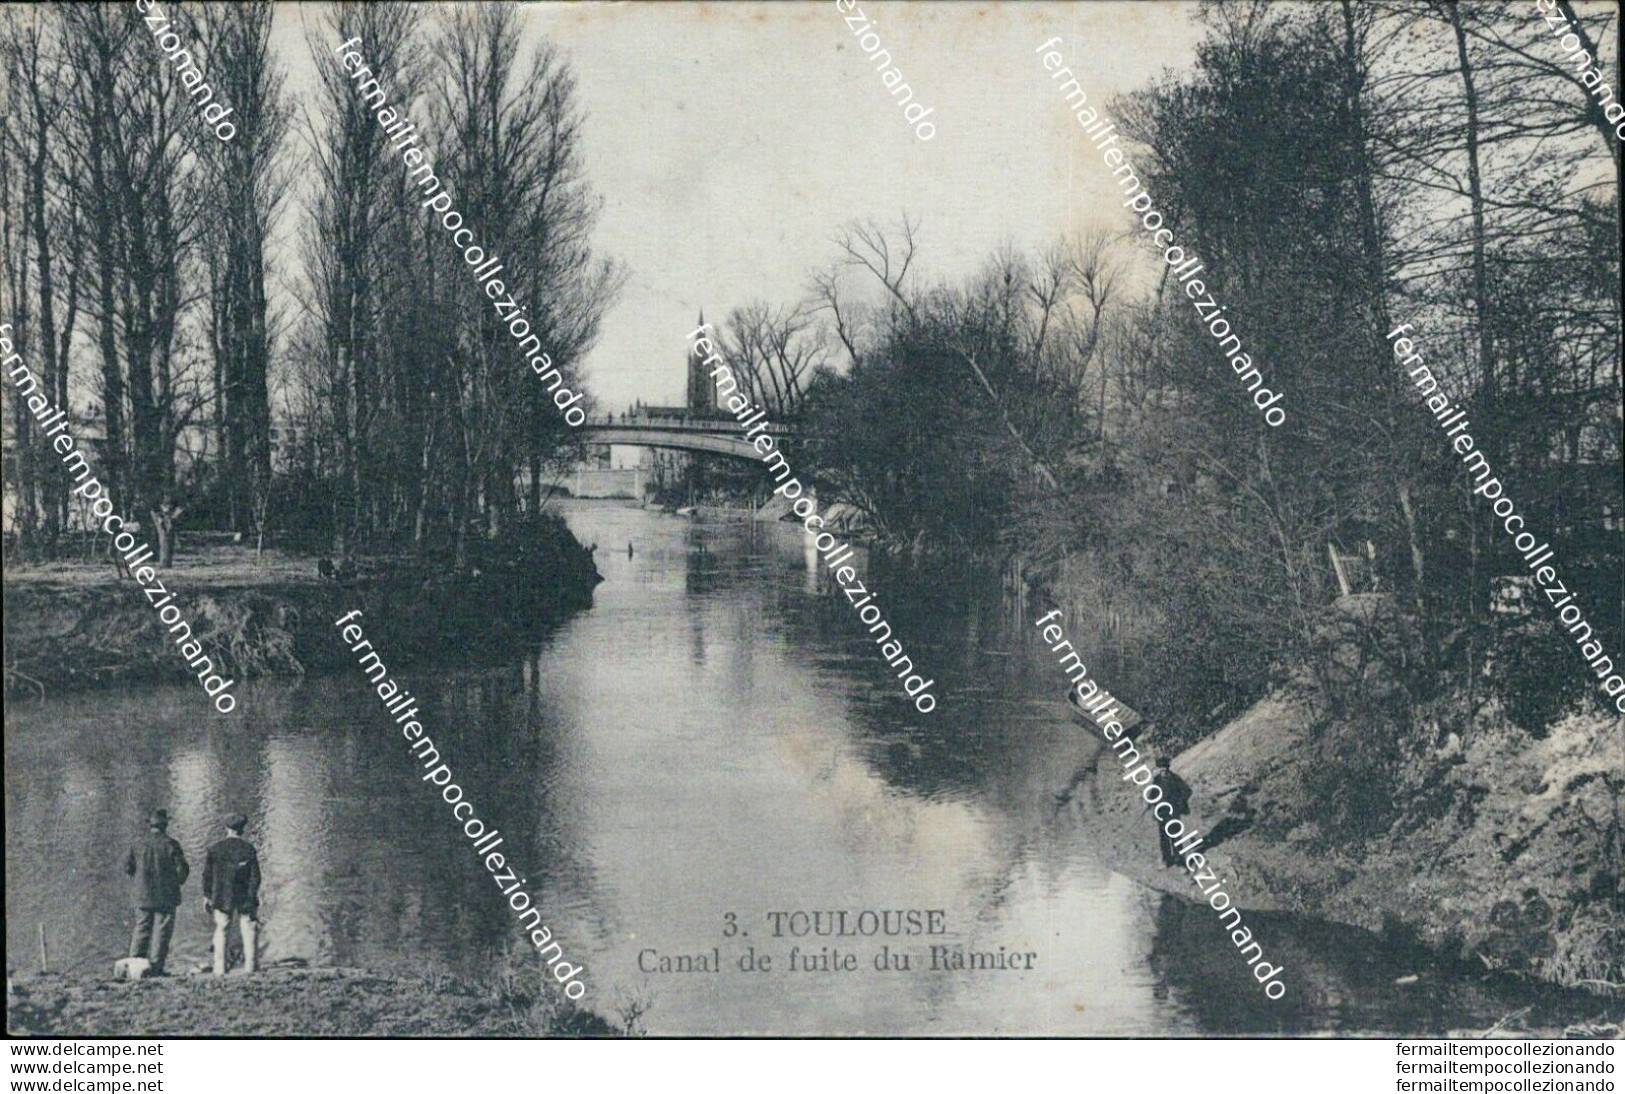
(702, 393)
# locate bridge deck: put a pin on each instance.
(719, 437)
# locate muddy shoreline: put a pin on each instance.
(1495, 861)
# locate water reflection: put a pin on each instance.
(295, 857)
(715, 736)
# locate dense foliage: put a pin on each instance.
(1334, 186)
(373, 399)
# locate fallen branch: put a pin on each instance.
(15, 674)
(1507, 1018)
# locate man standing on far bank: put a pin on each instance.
(231, 890)
(1177, 792)
(159, 868)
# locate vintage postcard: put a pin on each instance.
(843, 519)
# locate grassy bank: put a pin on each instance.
(73, 625)
(292, 1002)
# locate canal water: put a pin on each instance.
(715, 747)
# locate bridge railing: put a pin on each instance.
(694, 424)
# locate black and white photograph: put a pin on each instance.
(855, 520)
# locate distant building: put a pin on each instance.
(639, 471)
(666, 470)
(286, 442)
(702, 390)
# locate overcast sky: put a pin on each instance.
(732, 141)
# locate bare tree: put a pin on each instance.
(41, 240)
(137, 138)
(775, 350)
(845, 317)
(512, 136)
(353, 207)
(868, 247)
(246, 181)
(1093, 269)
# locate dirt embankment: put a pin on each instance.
(1495, 846)
(69, 627)
(289, 1003)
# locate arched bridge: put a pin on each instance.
(718, 436)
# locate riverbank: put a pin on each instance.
(290, 1002)
(73, 625)
(1493, 848)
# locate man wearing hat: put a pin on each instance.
(231, 890)
(159, 868)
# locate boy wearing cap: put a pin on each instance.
(159, 868)
(231, 890)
